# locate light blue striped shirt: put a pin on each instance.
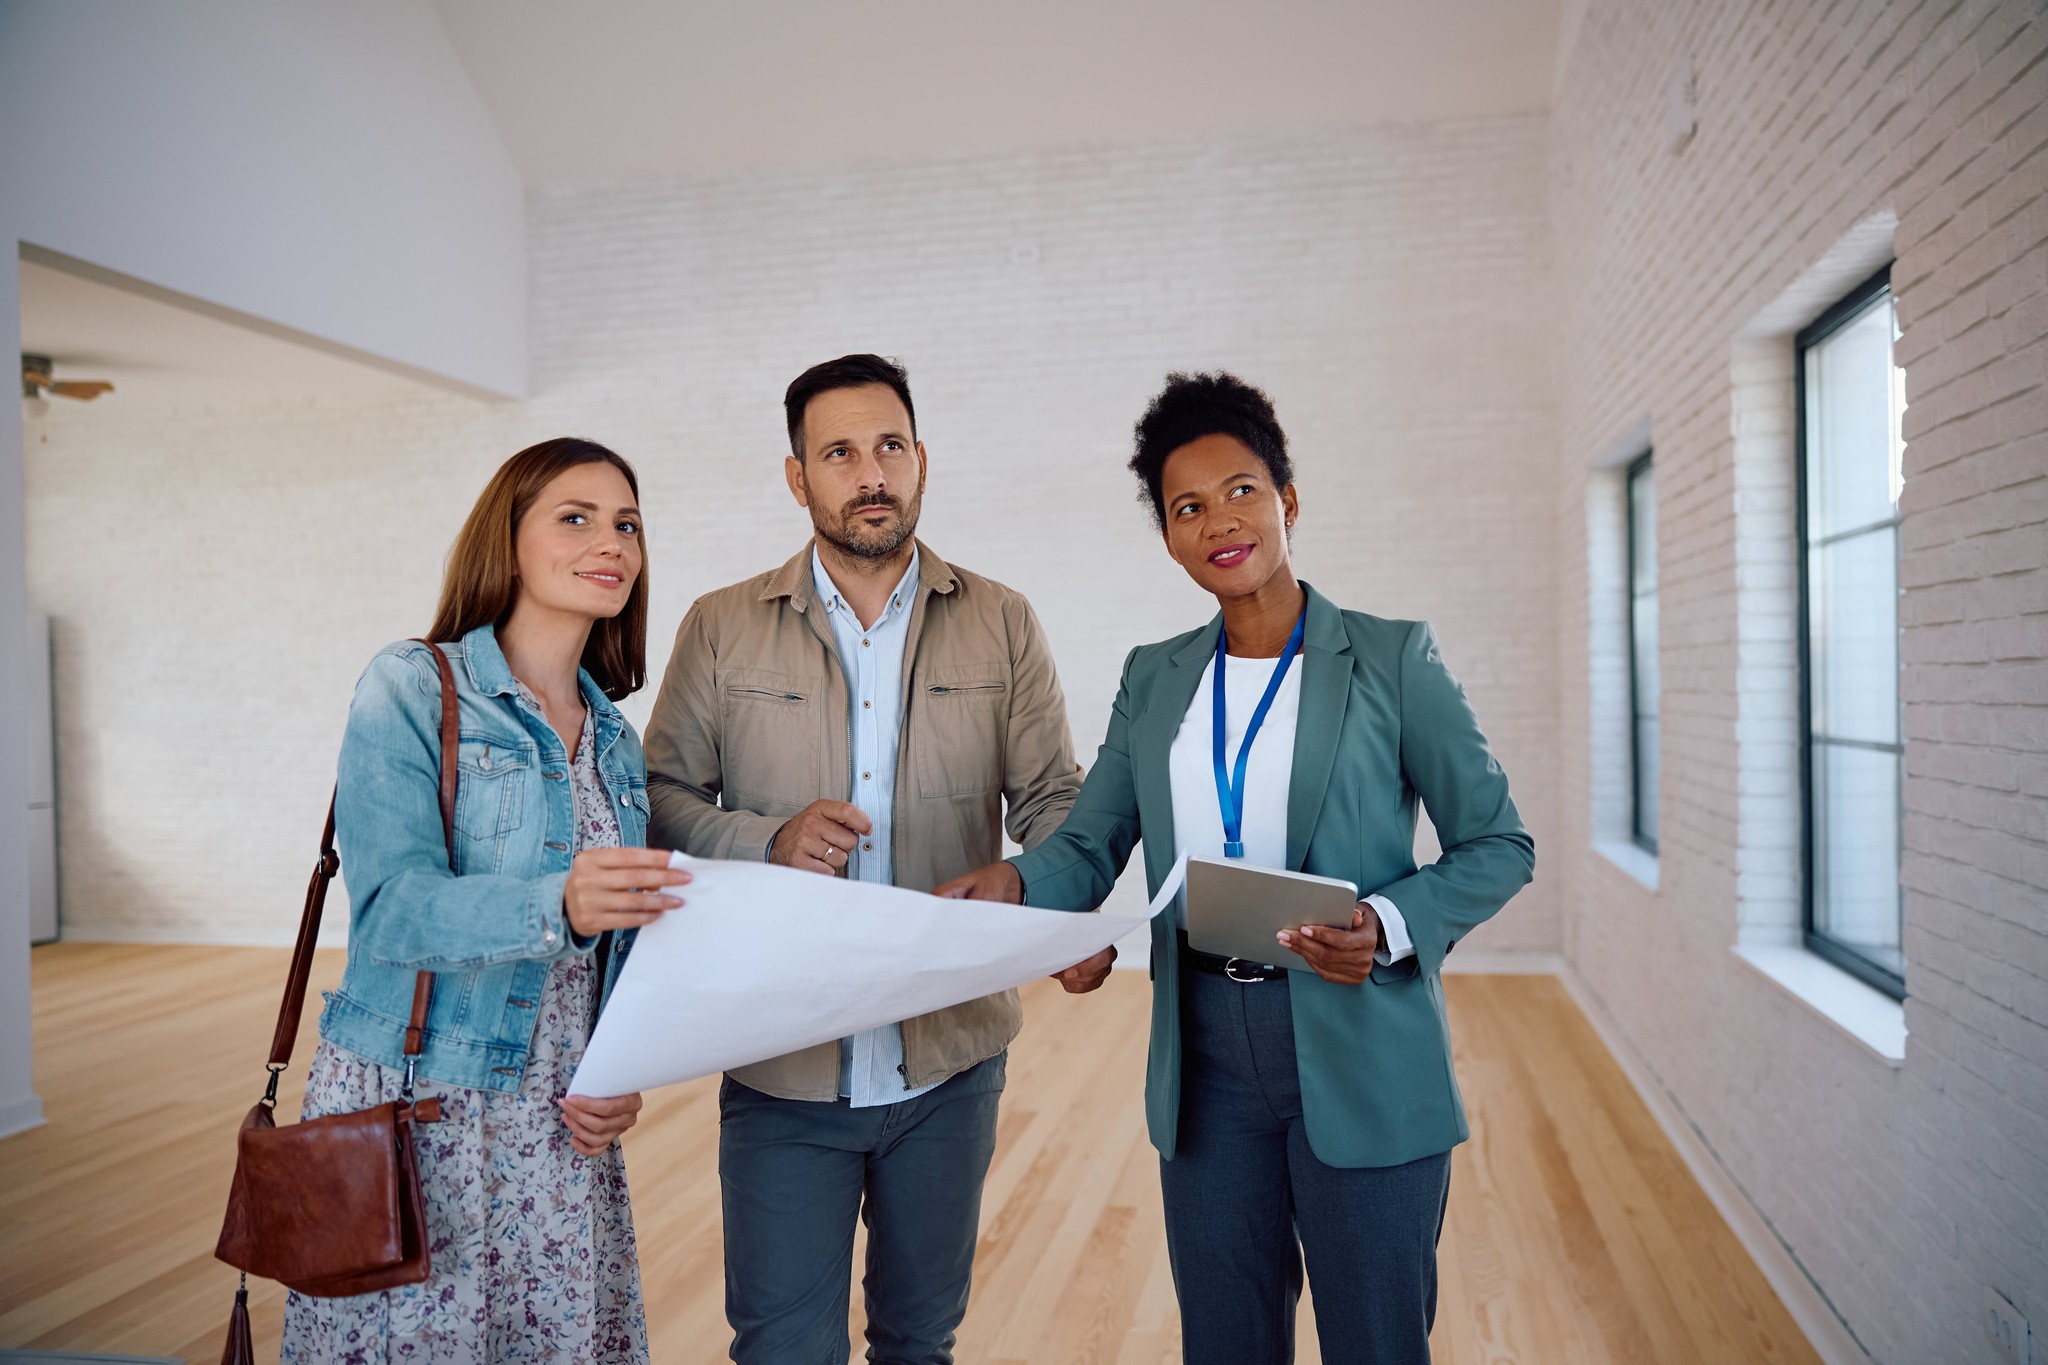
(871, 1063)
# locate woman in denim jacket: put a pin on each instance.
(543, 617)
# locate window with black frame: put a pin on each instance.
(1642, 651)
(1851, 443)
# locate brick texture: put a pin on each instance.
(1681, 276)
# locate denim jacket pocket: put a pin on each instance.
(633, 814)
(489, 796)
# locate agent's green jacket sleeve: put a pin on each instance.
(1487, 854)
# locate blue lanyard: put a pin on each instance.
(1230, 785)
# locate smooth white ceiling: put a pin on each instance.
(159, 354)
(620, 89)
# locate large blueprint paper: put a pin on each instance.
(762, 960)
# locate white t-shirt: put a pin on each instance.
(1191, 767)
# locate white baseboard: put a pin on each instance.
(1480, 962)
(332, 935)
(20, 1114)
(1825, 1331)
(1131, 954)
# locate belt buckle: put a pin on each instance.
(1230, 970)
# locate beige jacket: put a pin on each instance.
(751, 726)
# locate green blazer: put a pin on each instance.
(1382, 722)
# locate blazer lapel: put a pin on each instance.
(1325, 688)
(1152, 734)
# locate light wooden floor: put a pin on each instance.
(1575, 1233)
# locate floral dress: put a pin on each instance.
(531, 1242)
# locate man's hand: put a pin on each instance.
(596, 1124)
(996, 882)
(1340, 955)
(1083, 977)
(821, 837)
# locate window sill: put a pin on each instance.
(1867, 1014)
(1631, 858)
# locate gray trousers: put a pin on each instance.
(796, 1174)
(1246, 1201)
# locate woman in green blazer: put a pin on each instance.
(1298, 1113)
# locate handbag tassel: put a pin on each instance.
(240, 1349)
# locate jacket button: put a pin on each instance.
(506, 1070)
(557, 845)
(523, 1004)
(625, 800)
(548, 937)
(554, 777)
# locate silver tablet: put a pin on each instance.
(1235, 908)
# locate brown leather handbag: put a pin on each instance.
(333, 1206)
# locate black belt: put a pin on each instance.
(1239, 969)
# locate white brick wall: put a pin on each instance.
(1389, 287)
(1902, 1192)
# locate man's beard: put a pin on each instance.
(858, 538)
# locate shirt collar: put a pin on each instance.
(828, 591)
(492, 676)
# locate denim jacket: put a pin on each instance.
(490, 933)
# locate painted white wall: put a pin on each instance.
(324, 167)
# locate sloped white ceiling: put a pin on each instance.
(621, 89)
(160, 354)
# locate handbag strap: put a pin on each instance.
(316, 899)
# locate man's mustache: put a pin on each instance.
(872, 500)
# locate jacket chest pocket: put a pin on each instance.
(769, 739)
(959, 717)
(490, 794)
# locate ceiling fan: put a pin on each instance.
(36, 380)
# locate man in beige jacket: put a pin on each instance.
(869, 711)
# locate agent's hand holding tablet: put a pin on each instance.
(1235, 908)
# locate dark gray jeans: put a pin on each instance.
(796, 1174)
(1246, 1200)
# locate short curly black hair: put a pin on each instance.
(1192, 406)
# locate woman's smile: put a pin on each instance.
(1230, 556)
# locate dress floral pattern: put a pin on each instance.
(532, 1243)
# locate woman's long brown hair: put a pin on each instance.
(482, 581)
